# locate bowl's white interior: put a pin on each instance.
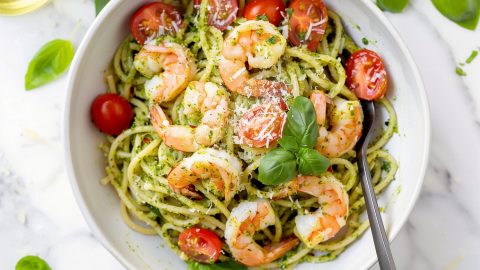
(100, 204)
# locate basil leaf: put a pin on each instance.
(32, 263)
(290, 143)
(230, 265)
(311, 162)
(49, 63)
(277, 167)
(218, 266)
(463, 12)
(99, 5)
(394, 6)
(301, 122)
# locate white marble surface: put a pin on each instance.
(38, 214)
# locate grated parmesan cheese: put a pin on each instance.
(311, 28)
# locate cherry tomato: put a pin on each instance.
(366, 75)
(154, 17)
(111, 113)
(262, 125)
(220, 13)
(271, 8)
(200, 244)
(307, 23)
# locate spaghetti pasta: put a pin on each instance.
(139, 160)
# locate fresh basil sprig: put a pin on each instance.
(394, 6)
(229, 265)
(289, 143)
(49, 63)
(301, 123)
(311, 162)
(277, 167)
(32, 263)
(295, 154)
(463, 12)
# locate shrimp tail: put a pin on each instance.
(277, 250)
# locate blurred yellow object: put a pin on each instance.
(18, 7)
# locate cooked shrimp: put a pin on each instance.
(262, 125)
(244, 221)
(259, 44)
(327, 221)
(169, 67)
(340, 123)
(207, 100)
(219, 169)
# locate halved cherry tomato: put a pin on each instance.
(308, 23)
(220, 13)
(271, 8)
(262, 125)
(366, 75)
(152, 18)
(200, 244)
(111, 113)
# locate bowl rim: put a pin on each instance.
(66, 139)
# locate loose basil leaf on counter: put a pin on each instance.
(311, 162)
(49, 63)
(100, 4)
(218, 266)
(32, 263)
(463, 12)
(394, 6)
(301, 122)
(290, 143)
(277, 167)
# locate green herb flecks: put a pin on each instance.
(154, 210)
(394, 6)
(472, 57)
(272, 40)
(295, 154)
(365, 41)
(50, 62)
(460, 71)
(302, 35)
(262, 18)
(32, 263)
(463, 12)
(386, 166)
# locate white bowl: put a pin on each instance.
(100, 205)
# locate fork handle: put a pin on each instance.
(382, 246)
